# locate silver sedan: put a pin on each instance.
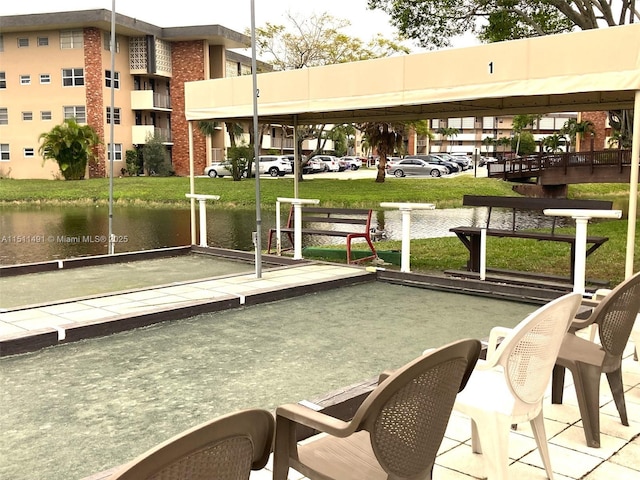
(415, 166)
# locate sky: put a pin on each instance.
(235, 14)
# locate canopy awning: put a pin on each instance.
(581, 71)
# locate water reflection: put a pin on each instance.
(41, 233)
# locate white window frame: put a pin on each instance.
(23, 42)
(79, 112)
(3, 79)
(4, 116)
(117, 147)
(27, 116)
(5, 153)
(75, 77)
(46, 115)
(25, 79)
(45, 78)
(29, 152)
(43, 41)
(71, 39)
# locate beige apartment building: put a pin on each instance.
(58, 65)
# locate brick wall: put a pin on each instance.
(599, 120)
(188, 64)
(94, 97)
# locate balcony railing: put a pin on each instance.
(279, 142)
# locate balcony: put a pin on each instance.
(149, 100)
(140, 133)
(281, 143)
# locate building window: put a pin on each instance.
(107, 42)
(3, 80)
(23, 42)
(117, 150)
(116, 79)
(27, 116)
(77, 112)
(25, 79)
(1, 43)
(72, 77)
(71, 39)
(45, 78)
(43, 41)
(45, 115)
(4, 152)
(116, 115)
(29, 152)
(4, 116)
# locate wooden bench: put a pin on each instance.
(348, 222)
(470, 236)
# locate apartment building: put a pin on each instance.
(472, 133)
(58, 65)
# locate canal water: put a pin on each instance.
(41, 233)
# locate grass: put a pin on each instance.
(428, 255)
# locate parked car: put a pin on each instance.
(352, 163)
(451, 167)
(313, 166)
(331, 163)
(462, 159)
(449, 158)
(415, 166)
(220, 169)
(275, 165)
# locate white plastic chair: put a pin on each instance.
(509, 386)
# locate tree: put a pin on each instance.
(520, 122)
(385, 138)
(155, 157)
(488, 142)
(449, 133)
(238, 160)
(312, 41)
(72, 146)
(553, 143)
(573, 128)
(524, 144)
(433, 23)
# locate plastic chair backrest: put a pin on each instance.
(408, 413)
(616, 314)
(528, 353)
(226, 448)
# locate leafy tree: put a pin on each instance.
(433, 23)
(312, 41)
(385, 138)
(155, 156)
(520, 122)
(72, 146)
(132, 162)
(238, 159)
(524, 144)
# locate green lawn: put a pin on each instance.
(427, 255)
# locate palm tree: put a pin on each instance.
(520, 122)
(385, 138)
(448, 133)
(72, 146)
(488, 142)
(574, 129)
(553, 143)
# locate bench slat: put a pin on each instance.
(557, 237)
(528, 203)
(353, 221)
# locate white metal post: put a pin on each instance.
(278, 232)
(297, 221)
(483, 254)
(406, 208)
(203, 213)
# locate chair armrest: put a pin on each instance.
(316, 420)
(384, 375)
(496, 335)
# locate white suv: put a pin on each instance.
(331, 163)
(275, 165)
